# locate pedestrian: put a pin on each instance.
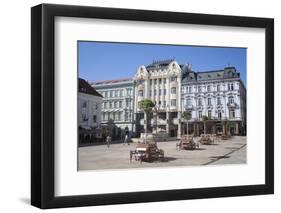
(108, 141)
(126, 140)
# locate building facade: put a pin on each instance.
(117, 106)
(89, 112)
(161, 83)
(219, 95)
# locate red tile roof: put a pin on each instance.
(84, 87)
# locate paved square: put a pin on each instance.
(117, 156)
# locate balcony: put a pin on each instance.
(199, 107)
(232, 105)
(188, 107)
(159, 122)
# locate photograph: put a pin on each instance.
(142, 105)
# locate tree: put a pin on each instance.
(205, 119)
(146, 106)
(186, 116)
(225, 125)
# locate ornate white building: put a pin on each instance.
(117, 106)
(219, 95)
(161, 83)
(89, 111)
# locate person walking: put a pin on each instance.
(108, 141)
(126, 140)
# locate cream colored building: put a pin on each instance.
(161, 83)
(89, 112)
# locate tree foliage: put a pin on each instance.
(205, 118)
(186, 115)
(146, 105)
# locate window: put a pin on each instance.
(119, 116)
(155, 81)
(219, 115)
(103, 116)
(218, 88)
(165, 91)
(164, 104)
(105, 105)
(173, 79)
(155, 92)
(160, 91)
(199, 89)
(209, 101)
(230, 86)
(128, 93)
(113, 115)
(126, 116)
(110, 104)
(164, 80)
(200, 114)
(111, 93)
(209, 88)
(84, 105)
(150, 81)
(232, 114)
(120, 104)
(188, 102)
(127, 102)
(160, 81)
(115, 104)
(209, 113)
(140, 82)
(109, 116)
(173, 102)
(218, 100)
(199, 102)
(189, 89)
(121, 93)
(94, 118)
(105, 94)
(231, 99)
(140, 93)
(173, 90)
(159, 103)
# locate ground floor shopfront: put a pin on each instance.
(160, 122)
(214, 127)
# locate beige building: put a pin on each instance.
(161, 83)
(89, 112)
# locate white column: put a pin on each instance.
(152, 90)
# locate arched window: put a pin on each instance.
(231, 99)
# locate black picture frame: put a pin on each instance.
(43, 102)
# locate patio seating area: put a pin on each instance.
(148, 152)
(187, 143)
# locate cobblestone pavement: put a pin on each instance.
(232, 151)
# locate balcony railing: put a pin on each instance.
(231, 104)
(159, 122)
(188, 107)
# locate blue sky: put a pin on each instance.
(106, 60)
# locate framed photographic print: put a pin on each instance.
(140, 106)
